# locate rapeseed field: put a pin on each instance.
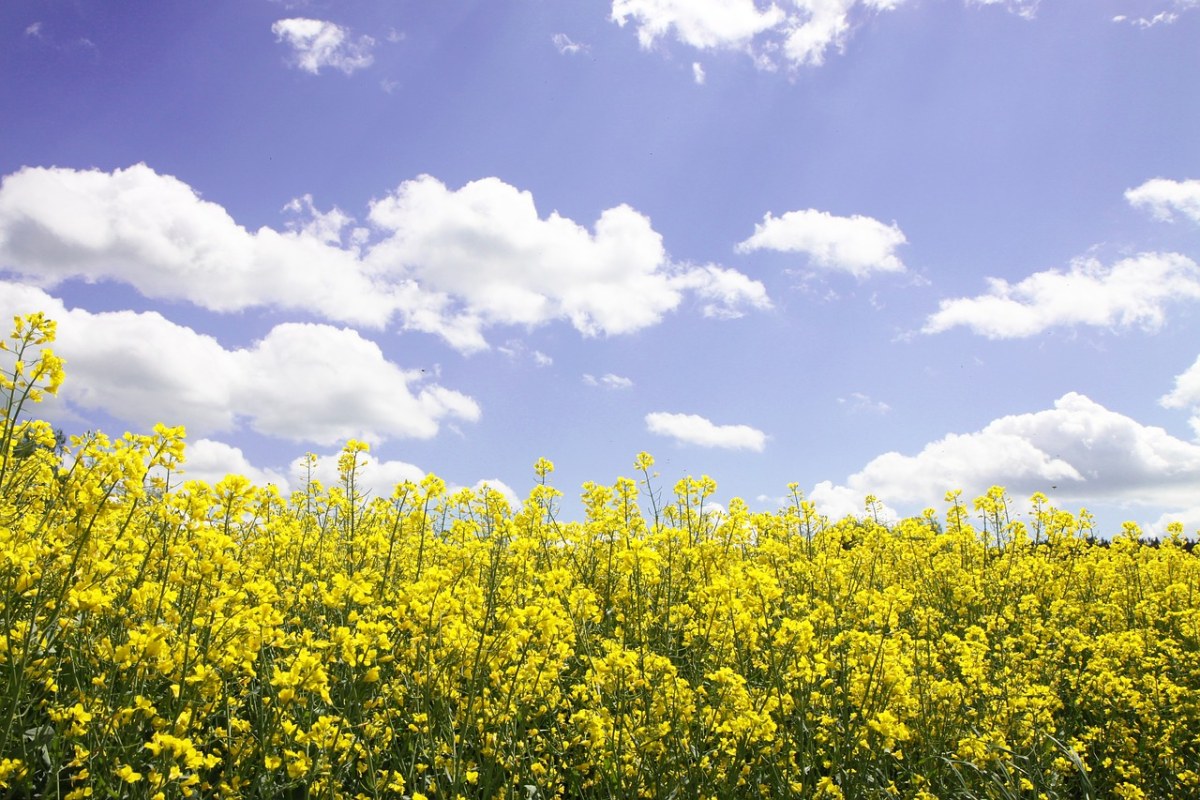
(164, 638)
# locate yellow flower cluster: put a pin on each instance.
(168, 639)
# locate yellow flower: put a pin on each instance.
(827, 788)
(128, 774)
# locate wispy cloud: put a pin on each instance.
(1023, 8)
(317, 44)
(517, 350)
(857, 402)
(1161, 18)
(1153, 13)
(566, 46)
(608, 381)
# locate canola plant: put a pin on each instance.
(164, 638)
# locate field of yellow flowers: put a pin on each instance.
(162, 638)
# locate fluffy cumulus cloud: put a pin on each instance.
(316, 44)
(800, 32)
(694, 429)
(156, 234)
(302, 382)
(335, 385)
(1186, 394)
(484, 256)
(210, 461)
(858, 245)
(1165, 198)
(1078, 451)
(443, 261)
(500, 487)
(1133, 292)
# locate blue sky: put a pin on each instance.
(867, 246)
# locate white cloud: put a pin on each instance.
(34, 30)
(1078, 451)
(1150, 15)
(302, 382)
(858, 245)
(859, 402)
(451, 263)
(703, 24)
(377, 478)
(1161, 18)
(694, 429)
(826, 24)
(334, 385)
(799, 32)
(1188, 517)
(566, 46)
(837, 502)
(723, 293)
(156, 234)
(698, 73)
(1134, 291)
(608, 381)
(499, 486)
(1186, 394)
(803, 31)
(141, 368)
(486, 257)
(328, 227)
(1023, 8)
(372, 477)
(318, 43)
(516, 350)
(1164, 198)
(210, 461)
